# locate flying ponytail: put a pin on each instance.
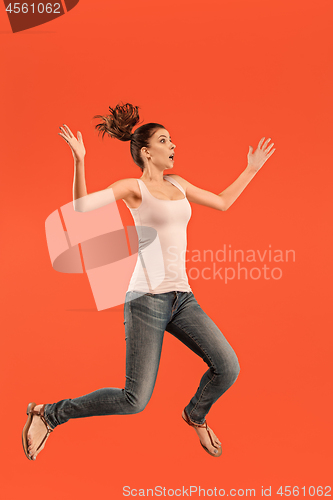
(119, 124)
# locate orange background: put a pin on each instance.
(219, 75)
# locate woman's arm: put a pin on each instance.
(79, 152)
(84, 202)
(225, 199)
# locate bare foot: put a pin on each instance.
(36, 435)
(205, 440)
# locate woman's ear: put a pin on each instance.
(145, 152)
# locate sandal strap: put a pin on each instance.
(40, 413)
(210, 437)
(46, 435)
(204, 425)
(193, 424)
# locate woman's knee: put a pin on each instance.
(228, 369)
(137, 404)
(139, 407)
(234, 370)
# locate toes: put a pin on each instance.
(211, 449)
(214, 451)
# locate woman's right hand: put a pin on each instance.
(76, 144)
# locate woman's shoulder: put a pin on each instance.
(129, 182)
(183, 182)
(124, 188)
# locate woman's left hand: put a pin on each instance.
(260, 156)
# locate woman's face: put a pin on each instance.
(161, 149)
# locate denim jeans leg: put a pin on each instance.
(145, 320)
(192, 326)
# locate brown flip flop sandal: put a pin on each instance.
(31, 412)
(205, 426)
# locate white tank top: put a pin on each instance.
(161, 229)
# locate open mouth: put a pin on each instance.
(171, 157)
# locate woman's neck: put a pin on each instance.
(153, 177)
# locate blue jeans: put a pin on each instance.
(147, 317)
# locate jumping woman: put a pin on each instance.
(159, 203)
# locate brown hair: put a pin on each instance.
(119, 124)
